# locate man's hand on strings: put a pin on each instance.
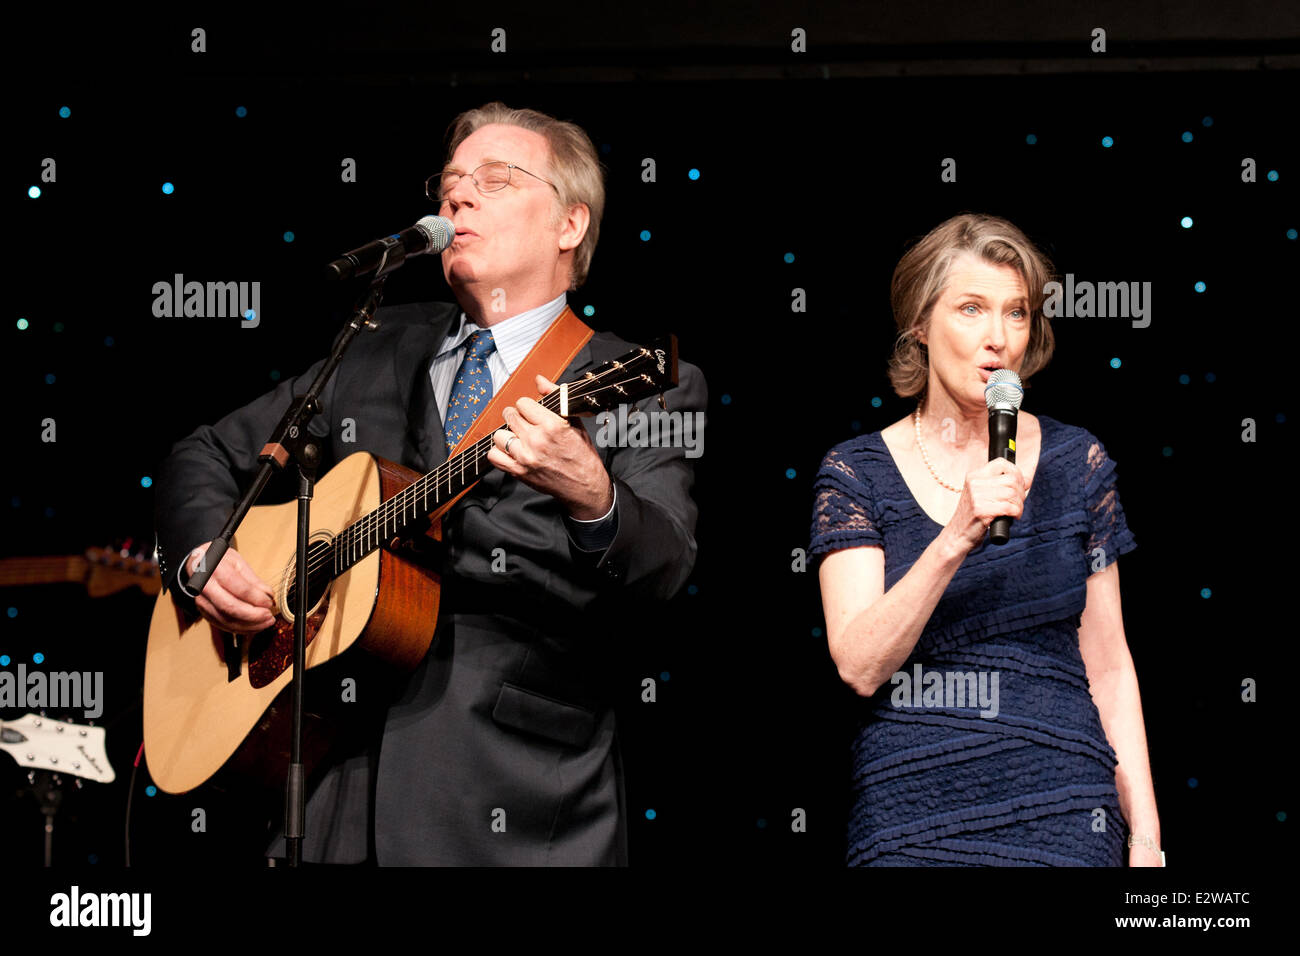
(553, 455)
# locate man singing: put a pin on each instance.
(501, 747)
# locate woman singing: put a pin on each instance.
(1001, 723)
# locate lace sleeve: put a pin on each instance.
(843, 516)
(1110, 535)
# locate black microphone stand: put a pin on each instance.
(290, 441)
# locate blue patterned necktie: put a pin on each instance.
(472, 389)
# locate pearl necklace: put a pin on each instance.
(925, 456)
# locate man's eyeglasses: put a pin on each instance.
(488, 178)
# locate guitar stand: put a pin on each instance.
(291, 442)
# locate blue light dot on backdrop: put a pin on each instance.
(1107, 142)
(1205, 593)
(1291, 234)
(1199, 287)
(108, 341)
(816, 632)
(12, 612)
(788, 257)
(58, 326)
(1187, 137)
(1167, 452)
(1279, 418)
(645, 235)
(38, 658)
(1209, 376)
(1207, 121)
(250, 314)
(664, 675)
(650, 814)
(49, 379)
(93, 858)
(22, 325)
(34, 192)
(275, 375)
(1186, 222)
(726, 398)
(1192, 782)
(4, 660)
(146, 482)
(1184, 379)
(1114, 363)
(150, 790)
(16, 502)
(876, 401)
(168, 189)
(605, 147)
(241, 111)
(694, 174)
(288, 237)
(692, 589)
(1281, 816)
(49, 511)
(589, 310)
(1272, 175)
(64, 112)
(762, 824)
(1031, 139)
(856, 425)
(789, 472)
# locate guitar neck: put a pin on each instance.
(407, 511)
(638, 373)
(17, 572)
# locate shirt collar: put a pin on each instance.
(515, 336)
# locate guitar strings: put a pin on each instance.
(364, 526)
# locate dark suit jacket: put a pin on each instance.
(501, 748)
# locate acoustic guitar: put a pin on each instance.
(215, 700)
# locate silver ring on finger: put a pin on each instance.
(508, 441)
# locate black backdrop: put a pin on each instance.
(831, 157)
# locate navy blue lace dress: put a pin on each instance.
(945, 776)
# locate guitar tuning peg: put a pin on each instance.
(76, 782)
(31, 774)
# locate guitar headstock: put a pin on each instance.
(644, 371)
(55, 745)
(114, 568)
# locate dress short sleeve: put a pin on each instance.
(843, 514)
(1109, 535)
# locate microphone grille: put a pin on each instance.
(440, 230)
(1003, 389)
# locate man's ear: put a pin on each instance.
(573, 227)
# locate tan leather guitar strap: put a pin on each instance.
(553, 353)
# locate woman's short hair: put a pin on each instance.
(575, 168)
(921, 275)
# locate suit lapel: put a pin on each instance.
(411, 361)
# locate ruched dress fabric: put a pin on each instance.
(936, 784)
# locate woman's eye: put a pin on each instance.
(970, 306)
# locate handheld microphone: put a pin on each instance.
(1003, 394)
(430, 234)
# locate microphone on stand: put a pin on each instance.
(1003, 394)
(430, 234)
